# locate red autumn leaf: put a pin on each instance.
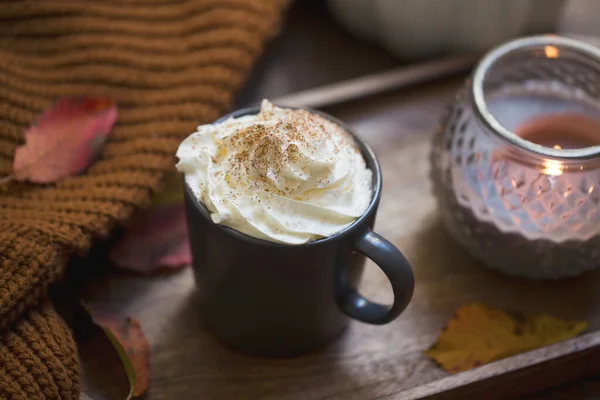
(65, 140)
(127, 337)
(155, 240)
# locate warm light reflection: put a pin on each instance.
(551, 51)
(557, 147)
(553, 167)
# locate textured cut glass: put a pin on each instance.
(514, 209)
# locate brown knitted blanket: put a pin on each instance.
(170, 65)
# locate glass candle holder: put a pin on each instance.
(516, 161)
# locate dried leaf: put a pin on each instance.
(478, 335)
(155, 240)
(130, 343)
(65, 140)
(103, 371)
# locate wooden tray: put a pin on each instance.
(373, 362)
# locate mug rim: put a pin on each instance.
(367, 153)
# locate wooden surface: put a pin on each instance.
(368, 362)
(311, 51)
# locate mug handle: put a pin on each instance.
(397, 269)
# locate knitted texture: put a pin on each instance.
(38, 359)
(170, 65)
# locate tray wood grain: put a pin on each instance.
(372, 362)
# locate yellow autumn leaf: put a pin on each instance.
(171, 193)
(478, 335)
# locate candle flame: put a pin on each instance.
(553, 167)
(551, 51)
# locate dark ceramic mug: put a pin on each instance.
(271, 299)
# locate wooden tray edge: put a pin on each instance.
(519, 375)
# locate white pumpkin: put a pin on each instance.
(581, 17)
(414, 29)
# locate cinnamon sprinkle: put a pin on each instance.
(277, 140)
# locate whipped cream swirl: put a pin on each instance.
(287, 176)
